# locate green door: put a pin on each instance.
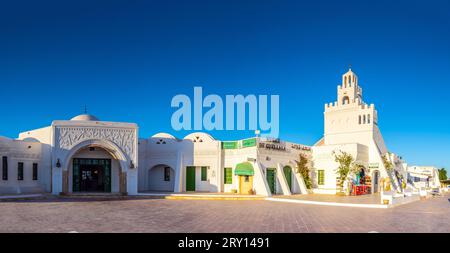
(288, 174)
(271, 179)
(190, 178)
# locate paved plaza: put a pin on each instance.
(161, 215)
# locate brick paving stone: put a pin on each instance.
(159, 215)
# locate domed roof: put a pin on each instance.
(85, 117)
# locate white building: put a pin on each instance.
(85, 154)
(351, 126)
(424, 177)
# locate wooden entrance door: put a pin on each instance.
(190, 178)
(288, 174)
(270, 175)
(245, 184)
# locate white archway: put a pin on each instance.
(161, 177)
(108, 146)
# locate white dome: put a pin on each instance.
(85, 117)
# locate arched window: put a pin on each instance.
(345, 100)
(360, 119)
(368, 118)
(364, 119)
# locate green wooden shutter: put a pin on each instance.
(76, 175)
(107, 175)
(321, 177)
(270, 175)
(288, 174)
(190, 178)
(228, 176)
(204, 173)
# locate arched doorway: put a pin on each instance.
(376, 181)
(161, 178)
(287, 170)
(93, 169)
(95, 166)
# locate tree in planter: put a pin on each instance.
(346, 166)
(442, 174)
(387, 164)
(303, 169)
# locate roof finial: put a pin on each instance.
(349, 66)
(85, 109)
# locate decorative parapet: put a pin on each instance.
(356, 103)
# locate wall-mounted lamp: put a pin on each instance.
(58, 163)
(131, 165)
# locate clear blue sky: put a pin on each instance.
(127, 59)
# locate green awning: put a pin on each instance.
(244, 169)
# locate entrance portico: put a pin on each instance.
(94, 156)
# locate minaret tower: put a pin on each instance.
(349, 119)
(349, 91)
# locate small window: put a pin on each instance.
(35, 171)
(20, 171)
(228, 176)
(368, 118)
(360, 119)
(166, 173)
(5, 168)
(204, 173)
(364, 119)
(320, 177)
(247, 179)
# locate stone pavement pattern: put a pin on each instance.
(159, 215)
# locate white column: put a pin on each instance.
(56, 181)
(220, 170)
(179, 173)
(282, 179)
(298, 179)
(260, 182)
(132, 181)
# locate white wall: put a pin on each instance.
(156, 180)
(26, 152)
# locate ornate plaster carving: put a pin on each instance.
(69, 137)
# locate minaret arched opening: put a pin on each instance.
(345, 100)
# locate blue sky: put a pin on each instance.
(126, 60)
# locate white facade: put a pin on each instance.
(351, 126)
(424, 177)
(86, 154)
(55, 148)
(200, 150)
(64, 152)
